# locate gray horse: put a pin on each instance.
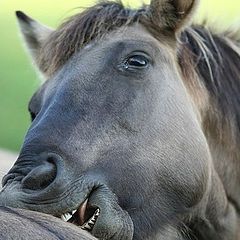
(134, 132)
(19, 224)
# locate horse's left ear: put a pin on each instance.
(34, 33)
(172, 14)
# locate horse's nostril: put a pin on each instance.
(41, 176)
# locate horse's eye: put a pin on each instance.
(136, 61)
(33, 115)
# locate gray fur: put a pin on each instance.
(19, 224)
(132, 140)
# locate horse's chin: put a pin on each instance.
(93, 208)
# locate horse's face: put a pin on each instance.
(114, 126)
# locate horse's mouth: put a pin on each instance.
(90, 205)
(85, 216)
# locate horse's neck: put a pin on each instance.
(226, 161)
(209, 66)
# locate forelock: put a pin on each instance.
(80, 29)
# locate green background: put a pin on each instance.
(18, 80)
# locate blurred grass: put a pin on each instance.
(17, 78)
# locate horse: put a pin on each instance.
(135, 129)
(27, 225)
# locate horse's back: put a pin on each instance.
(25, 225)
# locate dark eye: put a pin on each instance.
(33, 115)
(136, 61)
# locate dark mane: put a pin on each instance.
(80, 29)
(213, 57)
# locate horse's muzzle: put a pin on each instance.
(85, 201)
(34, 173)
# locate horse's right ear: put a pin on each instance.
(173, 15)
(34, 34)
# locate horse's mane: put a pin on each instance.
(214, 57)
(80, 29)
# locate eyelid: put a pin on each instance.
(141, 53)
(33, 115)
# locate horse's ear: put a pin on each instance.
(173, 14)
(34, 33)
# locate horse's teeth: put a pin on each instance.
(63, 218)
(86, 226)
(91, 221)
(66, 217)
(97, 212)
(69, 216)
(73, 211)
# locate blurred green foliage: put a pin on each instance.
(18, 80)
